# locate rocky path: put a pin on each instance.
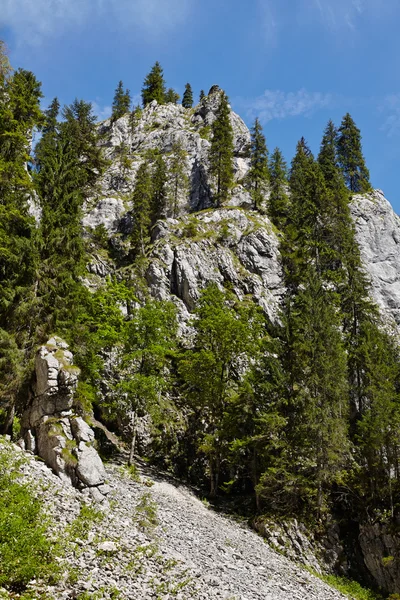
(158, 541)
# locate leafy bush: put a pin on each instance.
(26, 550)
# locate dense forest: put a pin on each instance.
(303, 414)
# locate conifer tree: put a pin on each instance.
(351, 159)
(142, 207)
(154, 86)
(221, 152)
(171, 96)
(278, 203)
(316, 409)
(159, 188)
(187, 100)
(121, 103)
(202, 95)
(258, 175)
(178, 177)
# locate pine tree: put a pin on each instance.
(154, 86)
(178, 176)
(278, 203)
(202, 95)
(171, 96)
(316, 411)
(121, 103)
(159, 188)
(258, 175)
(142, 206)
(187, 100)
(221, 152)
(350, 156)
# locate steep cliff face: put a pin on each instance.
(235, 245)
(378, 235)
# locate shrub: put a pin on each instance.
(26, 550)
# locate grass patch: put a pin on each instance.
(352, 589)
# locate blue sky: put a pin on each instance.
(293, 63)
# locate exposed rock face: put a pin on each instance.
(50, 426)
(381, 551)
(225, 246)
(378, 235)
(297, 543)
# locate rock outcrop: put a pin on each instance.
(52, 429)
(378, 235)
(380, 546)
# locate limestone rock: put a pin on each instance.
(378, 235)
(50, 427)
(90, 468)
(221, 246)
(381, 551)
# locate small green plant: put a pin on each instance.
(146, 513)
(190, 230)
(80, 527)
(387, 561)
(205, 132)
(352, 589)
(130, 471)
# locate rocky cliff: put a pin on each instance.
(234, 244)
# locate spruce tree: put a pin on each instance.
(142, 208)
(171, 96)
(258, 175)
(178, 177)
(187, 100)
(221, 152)
(351, 159)
(154, 86)
(202, 95)
(278, 203)
(159, 188)
(121, 103)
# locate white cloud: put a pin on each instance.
(32, 21)
(348, 14)
(276, 104)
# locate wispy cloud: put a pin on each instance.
(102, 112)
(276, 104)
(34, 21)
(390, 108)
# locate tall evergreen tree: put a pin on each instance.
(258, 175)
(221, 152)
(142, 207)
(121, 102)
(178, 177)
(351, 159)
(278, 203)
(201, 95)
(187, 100)
(154, 86)
(159, 188)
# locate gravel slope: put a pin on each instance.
(158, 541)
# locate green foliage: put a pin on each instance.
(350, 156)
(205, 132)
(26, 550)
(221, 152)
(351, 589)
(278, 204)
(154, 86)
(146, 514)
(179, 181)
(201, 95)
(187, 100)
(171, 96)
(81, 525)
(121, 103)
(258, 175)
(142, 205)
